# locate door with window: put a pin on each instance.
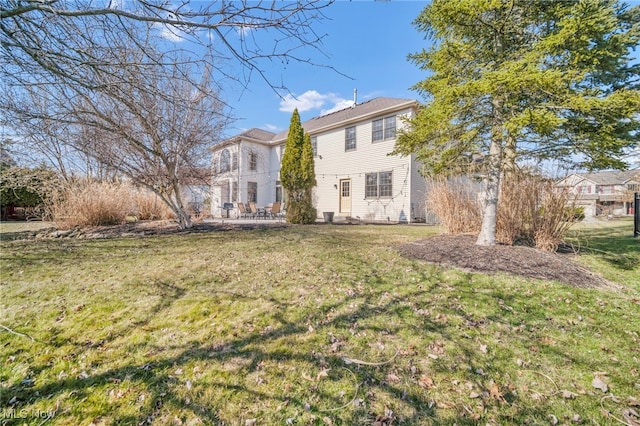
(345, 196)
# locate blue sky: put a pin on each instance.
(366, 41)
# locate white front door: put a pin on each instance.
(345, 196)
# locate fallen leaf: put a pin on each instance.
(392, 378)
(631, 416)
(474, 395)
(599, 384)
(250, 422)
(568, 395)
(426, 382)
(635, 402)
(494, 392)
(323, 374)
(483, 349)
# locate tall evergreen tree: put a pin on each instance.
(297, 174)
(515, 79)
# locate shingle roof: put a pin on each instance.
(359, 110)
(257, 134)
(612, 177)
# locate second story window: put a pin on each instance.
(253, 161)
(314, 145)
(383, 128)
(350, 138)
(225, 161)
(234, 161)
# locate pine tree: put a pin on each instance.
(297, 174)
(525, 79)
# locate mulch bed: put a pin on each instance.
(460, 251)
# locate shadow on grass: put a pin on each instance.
(159, 380)
(431, 309)
(616, 246)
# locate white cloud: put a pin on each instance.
(272, 128)
(171, 33)
(312, 99)
(342, 104)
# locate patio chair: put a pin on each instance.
(244, 213)
(276, 211)
(254, 209)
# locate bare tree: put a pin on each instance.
(127, 91)
(149, 122)
(69, 39)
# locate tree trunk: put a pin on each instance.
(487, 235)
(509, 163)
(182, 216)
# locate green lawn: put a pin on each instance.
(318, 325)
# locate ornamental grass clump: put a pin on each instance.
(91, 203)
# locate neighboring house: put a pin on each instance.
(604, 193)
(356, 176)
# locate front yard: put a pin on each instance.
(310, 325)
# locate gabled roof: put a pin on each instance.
(373, 107)
(257, 135)
(612, 177)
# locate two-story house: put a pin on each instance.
(356, 176)
(604, 193)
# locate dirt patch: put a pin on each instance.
(460, 251)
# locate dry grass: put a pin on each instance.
(92, 203)
(456, 205)
(269, 324)
(530, 211)
(149, 207)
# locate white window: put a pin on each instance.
(314, 145)
(378, 185)
(350, 138)
(253, 161)
(234, 161)
(225, 161)
(383, 128)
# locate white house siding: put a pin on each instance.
(418, 192)
(333, 164)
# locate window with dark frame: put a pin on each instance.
(350, 138)
(378, 185)
(252, 192)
